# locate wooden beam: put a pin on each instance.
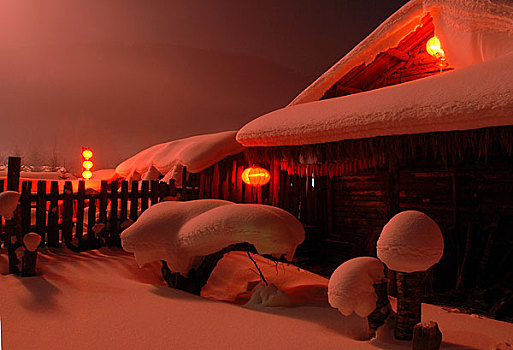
(348, 89)
(399, 54)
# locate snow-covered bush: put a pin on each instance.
(182, 233)
(8, 203)
(350, 288)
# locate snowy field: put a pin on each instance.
(101, 300)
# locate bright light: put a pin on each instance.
(87, 153)
(87, 164)
(434, 48)
(87, 174)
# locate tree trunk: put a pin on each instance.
(380, 314)
(409, 293)
(426, 336)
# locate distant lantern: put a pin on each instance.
(434, 48)
(256, 176)
(87, 164)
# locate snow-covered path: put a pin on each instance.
(102, 300)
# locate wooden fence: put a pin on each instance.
(69, 213)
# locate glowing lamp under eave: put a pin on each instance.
(256, 176)
(87, 174)
(434, 48)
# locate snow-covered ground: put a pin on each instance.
(101, 299)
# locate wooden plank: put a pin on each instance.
(13, 174)
(144, 195)
(41, 211)
(25, 205)
(114, 239)
(123, 212)
(185, 193)
(239, 188)
(53, 216)
(154, 194)
(79, 228)
(134, 200)
(215, 182)
(202, 185)
(172, 188)
(102, 208)
(91, 222)
(67, 215)
(163, 191)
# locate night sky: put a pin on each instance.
(121, 75)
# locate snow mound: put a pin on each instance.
(181, 233)
(411, 241)
(269, 296)
(350, 288)
(196, 153)
(8, 203)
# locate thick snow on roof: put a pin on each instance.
(476, 96)
(181, 233)
(471, 31)
(196, 153)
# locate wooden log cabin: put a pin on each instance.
(391, 127)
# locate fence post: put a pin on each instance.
(12, 227)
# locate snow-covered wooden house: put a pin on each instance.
(392, 127)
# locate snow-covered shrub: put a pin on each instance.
(350, 288)
(182, 233)
(410, 241)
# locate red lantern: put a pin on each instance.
(256, 176)
(87, 164)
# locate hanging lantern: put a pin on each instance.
(434, 48)
(256, 176)
(87, 164)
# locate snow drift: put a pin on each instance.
(350, 288)
(8, 203)
(168, 159)
(181, 233)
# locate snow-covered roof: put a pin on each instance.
(472, 97)
(477, 37)
(196, 153)
(471, 31)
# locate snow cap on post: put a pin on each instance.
(411, 241)
(350, 288)
(31, 241)
(8, 203)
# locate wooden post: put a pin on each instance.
(102, 211)
(91, 221)
(41, 211)
(154, 194)
(123, 205)
(79, 228)
(185, 194)
(67, 215)
(377, 318)
(172, 188)
(215, 182)
(113, 239)
(144, 195)
(28, 266)
(53, 216)
(163, 191)
(239, 188)
(426, 336)
(12, 229)
(134, 201)
(202, 186)
(409, 293)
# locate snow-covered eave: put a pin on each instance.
(471, 31)
(473, 97)
(385, 36)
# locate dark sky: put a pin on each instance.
(123, 74)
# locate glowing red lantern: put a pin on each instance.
(87, 164)
(256, 176)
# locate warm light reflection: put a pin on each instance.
(256, 176)
(434, 48)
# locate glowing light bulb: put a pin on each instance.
(87, 174)
(434, 48)
(87, 153)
